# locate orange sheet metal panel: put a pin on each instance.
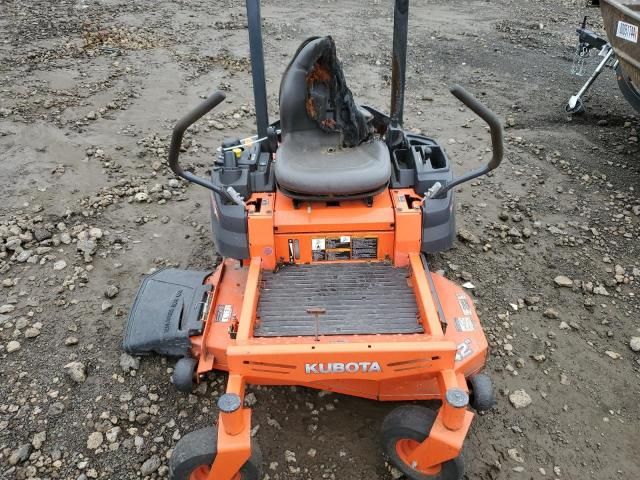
(207, 353)
(233, 450)
(408, 235)
(228, 282)
(352, 215)
(463, 327)
(250, 301)
(315, 361)
(424, 297)
(260, 223)
(327, 247)
(272, 358)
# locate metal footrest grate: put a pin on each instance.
(355, 298)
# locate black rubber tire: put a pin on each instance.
(184, 374)
(630, 91)
(481, 395)
(414, 422)
(200, 447)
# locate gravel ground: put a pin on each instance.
(89, 91)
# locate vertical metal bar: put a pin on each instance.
(249, 301)
(434, 294)
(399, 60)
(257, 66)
(426, 304)
(595, 75)
(317, 327)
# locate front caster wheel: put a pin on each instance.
(481, 396)
(194, 453)
(402, 431)
(184, 374)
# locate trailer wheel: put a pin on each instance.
(195, 452)
(184, 374)
(630, 91)
(577, 110)
(402, 430)
(481, 396)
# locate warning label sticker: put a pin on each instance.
(331, 248)
(464, 324)
(223, 313)
(317, 244)
(464, 304)
(318, 249)
(337, 255)
(338, 243)
(344, 247)
(364, 247)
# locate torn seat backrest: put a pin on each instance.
(314, 95)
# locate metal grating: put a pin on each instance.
(358, 298)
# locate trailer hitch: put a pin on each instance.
(497, 141)
(176, 143)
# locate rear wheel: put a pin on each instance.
(630, 91)
(402, 431)
(195, 452)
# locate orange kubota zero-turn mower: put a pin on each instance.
(324, 219)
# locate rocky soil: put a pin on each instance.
(89, 91)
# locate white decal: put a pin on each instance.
(464, 304)
(224, 312)
(338, 367)
(317, 244)
(464, 350)
(464, 324)
(627, 31)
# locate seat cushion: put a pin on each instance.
(309, 163)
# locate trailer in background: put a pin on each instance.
(620, 51)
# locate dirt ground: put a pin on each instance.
(89, 91)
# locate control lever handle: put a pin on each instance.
(176, 143)
(497, 140)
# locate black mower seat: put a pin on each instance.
(328, 147)
(310, 163)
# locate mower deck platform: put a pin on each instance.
(353, 299)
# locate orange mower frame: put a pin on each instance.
(324, 225)
(406, 367)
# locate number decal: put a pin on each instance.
(464, 350)
(627, 31)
